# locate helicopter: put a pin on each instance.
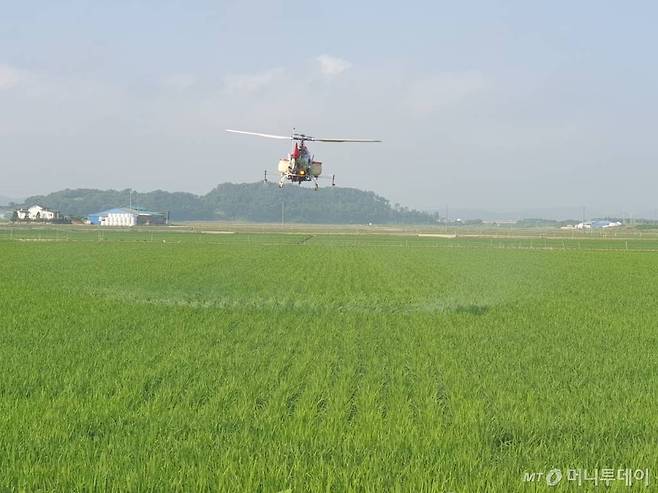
(300, 165)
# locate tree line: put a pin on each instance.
(252, 202)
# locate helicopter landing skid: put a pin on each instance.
(291, 177)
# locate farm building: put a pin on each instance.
(599, 223)
(38, 213)
(604, 223)
(127, 216)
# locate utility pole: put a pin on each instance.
(283, 212)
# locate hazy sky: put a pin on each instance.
(480, 104)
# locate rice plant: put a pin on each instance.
(188, 362)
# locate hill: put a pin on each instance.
(252, 202)
(84, 201)
(6, 200)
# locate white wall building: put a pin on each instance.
(126, 216)
(38, 213)
(119, 219)
(594, 225)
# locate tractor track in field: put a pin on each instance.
(232, 303)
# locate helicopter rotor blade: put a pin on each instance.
(317, 139)
(269, 136)
(297, 136)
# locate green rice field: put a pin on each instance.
(293, 361)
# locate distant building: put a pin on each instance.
(38, 213)
(126, 216)
(594, 225)
(606, 224)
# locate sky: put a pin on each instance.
(491, 105)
